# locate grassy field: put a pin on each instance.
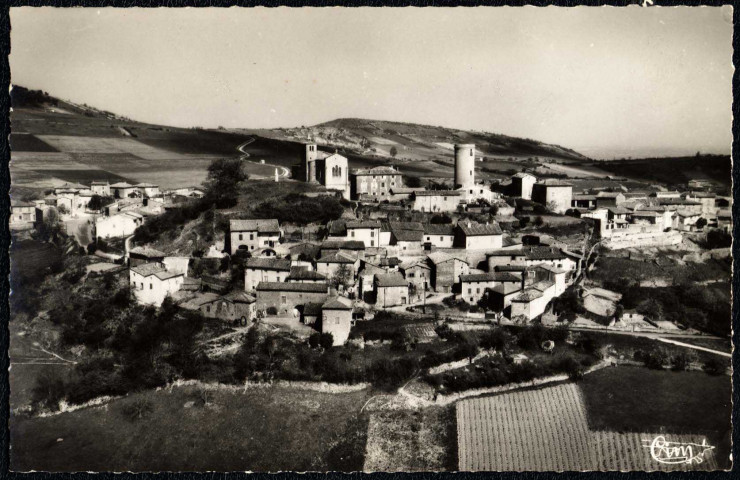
(412, 441)
(673, 171)
(260, 429)
(549, 429)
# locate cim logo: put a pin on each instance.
(675, 453)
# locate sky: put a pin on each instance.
(605, 81)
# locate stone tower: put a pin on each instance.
(309, 161)
(464, 165)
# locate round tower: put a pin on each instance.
(309, 161)
(464, 165)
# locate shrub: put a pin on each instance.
(48, 391)
(326, 340)
(137, 409)
(655, 359)
(714, 366)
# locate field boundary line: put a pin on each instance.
(695, 347)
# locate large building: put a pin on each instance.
(330, 170)
(253, 234)
(521, 185)
(554, 194)
(376, 183)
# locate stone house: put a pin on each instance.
(151, 283)
(474, 285)
(366, 231)
(329, 265)
(285, 297)
(391, 289)
(477, 236)
(437, 200)
(100, 188)
(553, 193)
(336, 319)
(407, 241)
(418, 274)
(438, 235)
(446, 270)
(258, 270)
(122, 190)
(22, 213)
(253, 234)
(609, 199)
(375, 183)
(521, 185)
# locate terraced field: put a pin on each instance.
(547, 430)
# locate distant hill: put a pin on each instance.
(422, 142)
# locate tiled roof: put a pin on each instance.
(199, 300)
(303, 273)
(554, 182)
(377, 171)
(280, 264)
(337, 303)
(293, 287)
(511, 241)
(146, 185)
(609, 194)
(416, 226)
(165, 275)
(507, 253)
(618, 210)
(363, 224)
(407, 235)
(490, 277)
(527, 296)
(337, 228)
(479, 229)
(339, 257)
(263, 226)
(240, 297)
(391, 280)
(440, 257)
(439, 229)
(146, 269)
(438, 193)
(19, 203)
(522, 175)
(122, 185)
(581, 196)
(343, 245)
(312, 309)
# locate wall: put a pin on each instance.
(447, 274)
(369, 236)
(464, 165)
(154, 290)
(177, 264)
(253, 240)
(115, 226)
(436, 203)
(266, 299)
(377, 185)
(484, 242)
(337, 179)
(392, 296)
(439, 241)
(227, 310)
(253, 276)
(338, 323)
(560, 196)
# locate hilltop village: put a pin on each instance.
(399, 248)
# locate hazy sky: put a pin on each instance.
(600, 80)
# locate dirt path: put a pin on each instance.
(695, 347)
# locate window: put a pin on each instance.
(411, 274)
(445, 199)
(440, 239)
(336, 321)
(470, 290)
(372, 233)
(142, 285)
(382, 185)
(372, 243)
(352, 233)
(240, 237)
(471, 173)
(477, 290)
(283, 299)
(471, 152)
(251, 236)
(208, 308)
(151, 287)
(429, 239)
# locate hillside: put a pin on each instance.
(54, 141)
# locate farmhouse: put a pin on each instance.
(140, 255)
(554, 194)
(258, 270)
(474, 285)
(376, 183)
(609, 199)
(119, 225)
(336, 319)
(438, 235)
(391, 289)
(329, 265)
(366, 231)
(418, 274)
(22, 214)
(522, 184)
(501, 295)
(122, 190)
(583, 200)
(407, 241)
(253, 234)
(437, 200)
(100, 188)
(151, 283)
(147, 189)
(477, 236)
(284, 297)
(446, 270)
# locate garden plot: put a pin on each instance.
(547, 430)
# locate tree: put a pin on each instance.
(326, 340)
(413, 182)
(342, 276)
(539, 221)
(63, 209)
(225, 176)
(97, 202)
(701, 223)
(618, 312)
(50, 227)
(394, 151)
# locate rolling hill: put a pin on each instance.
(55, 141)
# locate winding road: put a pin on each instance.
(283, 172)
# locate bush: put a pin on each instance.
(714, 366)
(326, 340)
(48, 391)
(137, 409)
(655, 359)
